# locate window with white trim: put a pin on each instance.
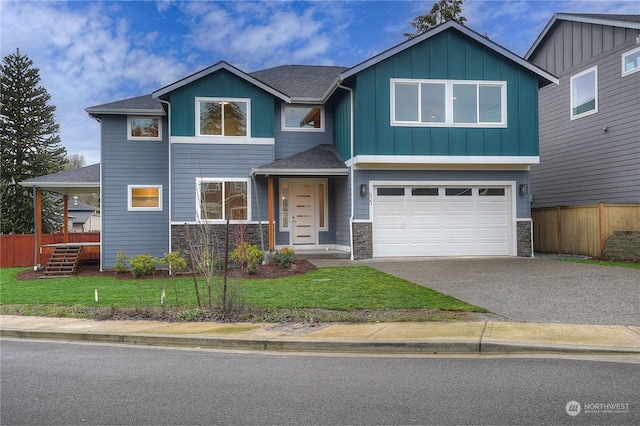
(144, 197)
(584, 93)
(222, 199)
(223, 117)
(144, 128)
(448, 103)
(631, 61)
(305, 118)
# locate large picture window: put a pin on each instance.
(307, 118)
(221, 199)
(584, 93)
(448, 103)
(144, 128)
(145, 197)
(222, 117)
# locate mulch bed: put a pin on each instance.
(92, 269)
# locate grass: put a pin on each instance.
(335, 288)
(631, 265)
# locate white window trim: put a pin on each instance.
(573, 77)
(143, 138)
(199, 181)
(301, 129)
(449, 103)
(206, 99)
(624, 55)
(143, 209)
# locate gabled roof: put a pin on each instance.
(140, 105)
(222, 65)
(319, 160)
(303, 83)
(543, 76)
(82, 180)
(622, 21)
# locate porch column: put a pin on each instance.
(65, 218)
(38, 226)
(271, 215)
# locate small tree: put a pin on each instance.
(441, 12)
(29, 145)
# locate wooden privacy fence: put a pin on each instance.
(581, 229)
(18, 249)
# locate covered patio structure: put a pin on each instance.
(84, 180)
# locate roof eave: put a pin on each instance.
(300, 172)
(103, 111)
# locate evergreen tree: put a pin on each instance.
(30, 146)
(441, 12)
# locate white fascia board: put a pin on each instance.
(301, 172)
(99, 111)
(442, 160)
(437, 30)
(209, 70)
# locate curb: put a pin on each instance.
(324, 346)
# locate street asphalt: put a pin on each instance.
(525, 289)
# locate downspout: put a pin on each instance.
(169, 164)
(35, 231)
(352, 167)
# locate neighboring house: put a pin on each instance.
(590, 122)
(422, 150)
(83, 217)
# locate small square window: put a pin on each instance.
(144, 128)
(145, 197)
(303, 118)
(631, 61)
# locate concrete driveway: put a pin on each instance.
(526, 289)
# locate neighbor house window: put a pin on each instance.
(145, 197)
(221, 199)
(144, 128)
(631, 61)
(440, 103)
(222, 117)
(584, 93)
(302, 118)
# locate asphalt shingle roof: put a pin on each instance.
(300, 81)
(320, 157)
(139, 104)
(88, 174)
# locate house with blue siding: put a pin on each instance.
(422, 150)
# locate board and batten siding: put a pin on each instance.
(580, 162)
(451, 56)
(434, 177)
(124, 163)
(215, 160)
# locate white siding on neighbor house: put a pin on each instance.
(124, 163)
(580, 162)
(191, 161)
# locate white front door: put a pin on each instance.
(303, 219)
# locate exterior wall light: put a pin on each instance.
(523, 189)
(364, 190)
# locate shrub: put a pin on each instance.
(121, 263)
(246, 253)
(175, 261)
(143, 264)
(284, 258)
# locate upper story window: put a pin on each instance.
(223, 117)
(584, 93)
(308, 118)
(145, 197)
(631, 61)
(222, 199)
(448, 103)
(144, 128)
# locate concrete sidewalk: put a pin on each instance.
(475, 337)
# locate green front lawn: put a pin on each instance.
(334, 288)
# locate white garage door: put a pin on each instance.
(450, 220)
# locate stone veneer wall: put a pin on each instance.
(218, 233)
(362, 240)
(525, 243)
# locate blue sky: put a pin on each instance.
(93, 52)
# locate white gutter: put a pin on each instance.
(169, 155)
(352, 167)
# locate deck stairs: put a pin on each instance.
(62, 262)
